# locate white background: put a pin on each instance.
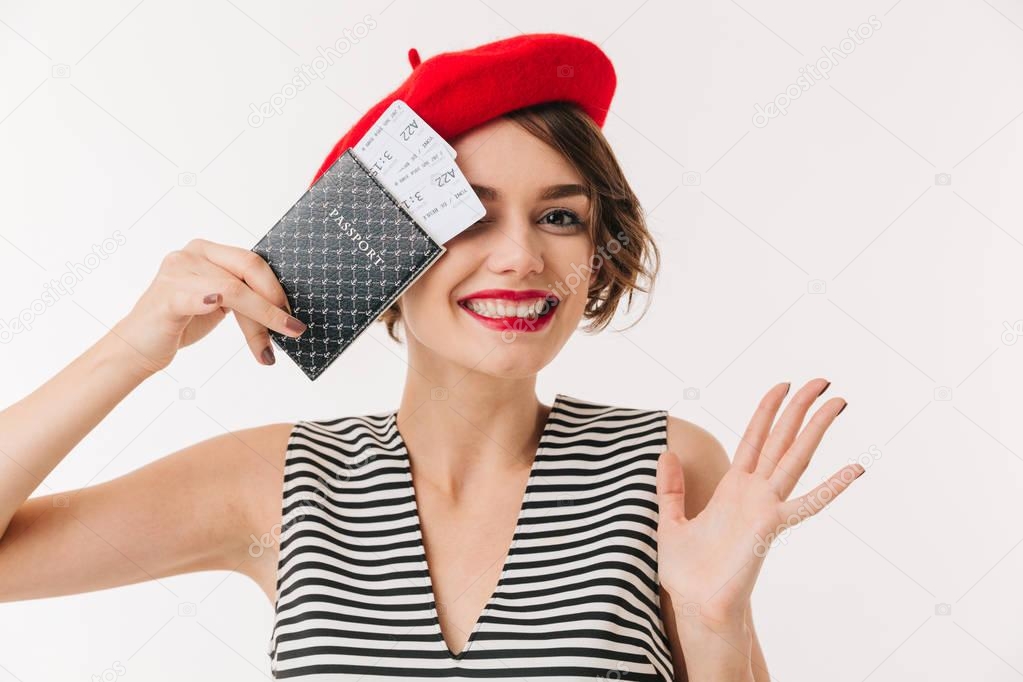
(919, 279)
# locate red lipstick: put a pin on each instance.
(513, 322)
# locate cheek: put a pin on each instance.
(571, 266)
(430, 295)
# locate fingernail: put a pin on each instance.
(862, 471)
(212, 298)
(787, 389)
(268, 356)
(824, 389)
(295, 324)
(843, 407)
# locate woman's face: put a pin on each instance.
(533, 241)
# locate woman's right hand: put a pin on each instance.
(191, 294)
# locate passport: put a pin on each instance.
(344, 252)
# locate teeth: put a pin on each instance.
(498, 308)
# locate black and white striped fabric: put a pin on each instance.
(578, 594)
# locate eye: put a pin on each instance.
(562, 218)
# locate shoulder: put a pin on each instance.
(228, 464)
(266, 444)
(704, 461)
(253, 460)
(688, 439)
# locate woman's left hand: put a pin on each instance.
(710, 563)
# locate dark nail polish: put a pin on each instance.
(824, 389)
(843, 407)
(212, 298)
(787, 389)
(863, 471)
(295, 324)
(268, 356)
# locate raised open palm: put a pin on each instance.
(709, 564)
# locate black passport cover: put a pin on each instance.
(343, 253)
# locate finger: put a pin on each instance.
(202, 275)
(247, 266)
(671, 494)
(794, 462)
(240, 296)
(188, 301)
(798, 509)
(759, 426)
(788, 425)
(257, 338)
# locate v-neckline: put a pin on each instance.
(407, 464)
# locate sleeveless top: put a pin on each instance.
(578, 595)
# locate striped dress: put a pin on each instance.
(578, 594)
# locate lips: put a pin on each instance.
(501, 299)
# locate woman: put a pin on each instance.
(491, 535)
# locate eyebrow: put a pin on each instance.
(551, 192)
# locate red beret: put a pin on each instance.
(456, 91)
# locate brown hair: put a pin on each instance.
(616, 221)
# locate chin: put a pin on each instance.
(511, 364)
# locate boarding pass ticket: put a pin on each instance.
(417, 167)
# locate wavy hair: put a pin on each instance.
(629, 259)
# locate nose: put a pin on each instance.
(515, 248)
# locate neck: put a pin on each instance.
(470, 427)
